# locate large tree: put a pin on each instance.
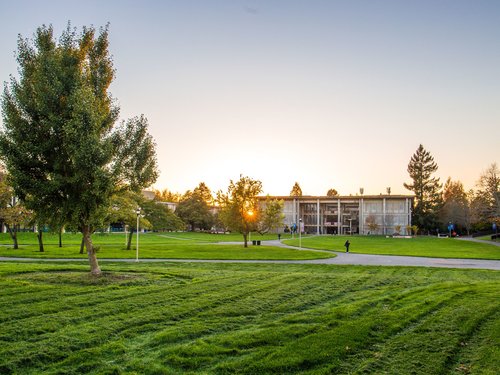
(161, 217)
(205, 193)
(239, 207)
(426, 188)
(488, 193)
(455, 208)
(194, 210)
(60, 144)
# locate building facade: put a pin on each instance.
(375, 214)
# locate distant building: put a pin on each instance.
(150, 195)
(370, 214)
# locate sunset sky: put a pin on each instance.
(327, 93)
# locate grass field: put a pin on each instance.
(249, 319)
(418, 246)
(153, 245)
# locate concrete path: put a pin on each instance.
(496, 243)
(341, 258)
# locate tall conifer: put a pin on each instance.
(426, 189)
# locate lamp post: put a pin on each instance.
(249, 218)
(138, 212)
(300, 233)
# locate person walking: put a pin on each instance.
(347, 243)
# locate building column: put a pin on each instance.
(339, 224)
(408, 211)
(361, 217)
(318, 217)
(384, 230)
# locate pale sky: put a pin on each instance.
(327, 93)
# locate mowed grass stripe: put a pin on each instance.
(116, 317)
(434, 344)
(334, 330)
(255, 319)
(99, 307)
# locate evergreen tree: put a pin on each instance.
(426, 189)
(296, 190)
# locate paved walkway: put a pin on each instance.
(340, 259)
(496, 243)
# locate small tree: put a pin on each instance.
(123, 209)
(332, 193)
(240, 206)
(371, 221)
(272, 216)
(12, 212)
(296, 190)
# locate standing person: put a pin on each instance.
(279, 236)
(347, 243)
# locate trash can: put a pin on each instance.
(258, 243)
(254, 242)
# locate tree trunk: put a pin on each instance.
(40, 241)
(13, 235)
(245, 238)
(129, 242)
(94, 265)
(82, 245)
(60, 236)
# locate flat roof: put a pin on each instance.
(324, 197)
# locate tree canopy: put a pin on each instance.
(455, 208)
(239, 207)
(271, 217)
(59, 143)
(194, 211)
(489, 194)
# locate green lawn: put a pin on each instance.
(419, 246)
(152, 245)
(250, 319)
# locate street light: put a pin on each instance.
(250, 216)
(138, 212)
